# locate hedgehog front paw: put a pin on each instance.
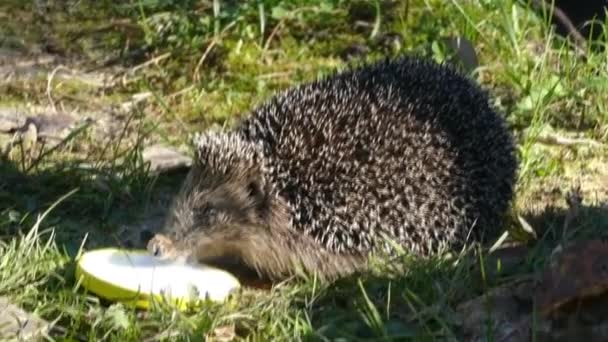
(161, 246)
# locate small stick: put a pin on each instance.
(153, 60)
(563, 18)
(49, 84)
(565, 141)
(214, 42)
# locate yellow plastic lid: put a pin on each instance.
(136, 277)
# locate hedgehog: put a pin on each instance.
(319, 178)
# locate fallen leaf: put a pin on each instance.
(504, 313)
(577, 272)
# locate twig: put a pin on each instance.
(153, 60)
(280, 24)
(138, 67)
(180, 92)
(563, 18)
(278, 74)
(551, 139)
(273, 33)
(135, 99)
(49, 83)
(200, 62)
(213, 42)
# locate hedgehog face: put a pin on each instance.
(224, 194)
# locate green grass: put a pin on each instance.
(251, 51)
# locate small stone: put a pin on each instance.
(464, 51)
(225, 333)
(11, 120)
(53, 126)
(48, 126)
(16, 324)
(163, 159)
(354, 51)
(390, 41)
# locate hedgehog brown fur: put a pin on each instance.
(319, 175)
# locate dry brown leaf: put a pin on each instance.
(504, 310)
(578, 272)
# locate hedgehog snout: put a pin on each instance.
(165, 248)
(161, 246)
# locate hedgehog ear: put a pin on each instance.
(257, 192)
(255, 189)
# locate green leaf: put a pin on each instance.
(280, 13)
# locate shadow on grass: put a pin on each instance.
(107, 199)
(422, 303)
(418, 304)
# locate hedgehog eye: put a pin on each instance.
(210, 211)
(206, 212)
